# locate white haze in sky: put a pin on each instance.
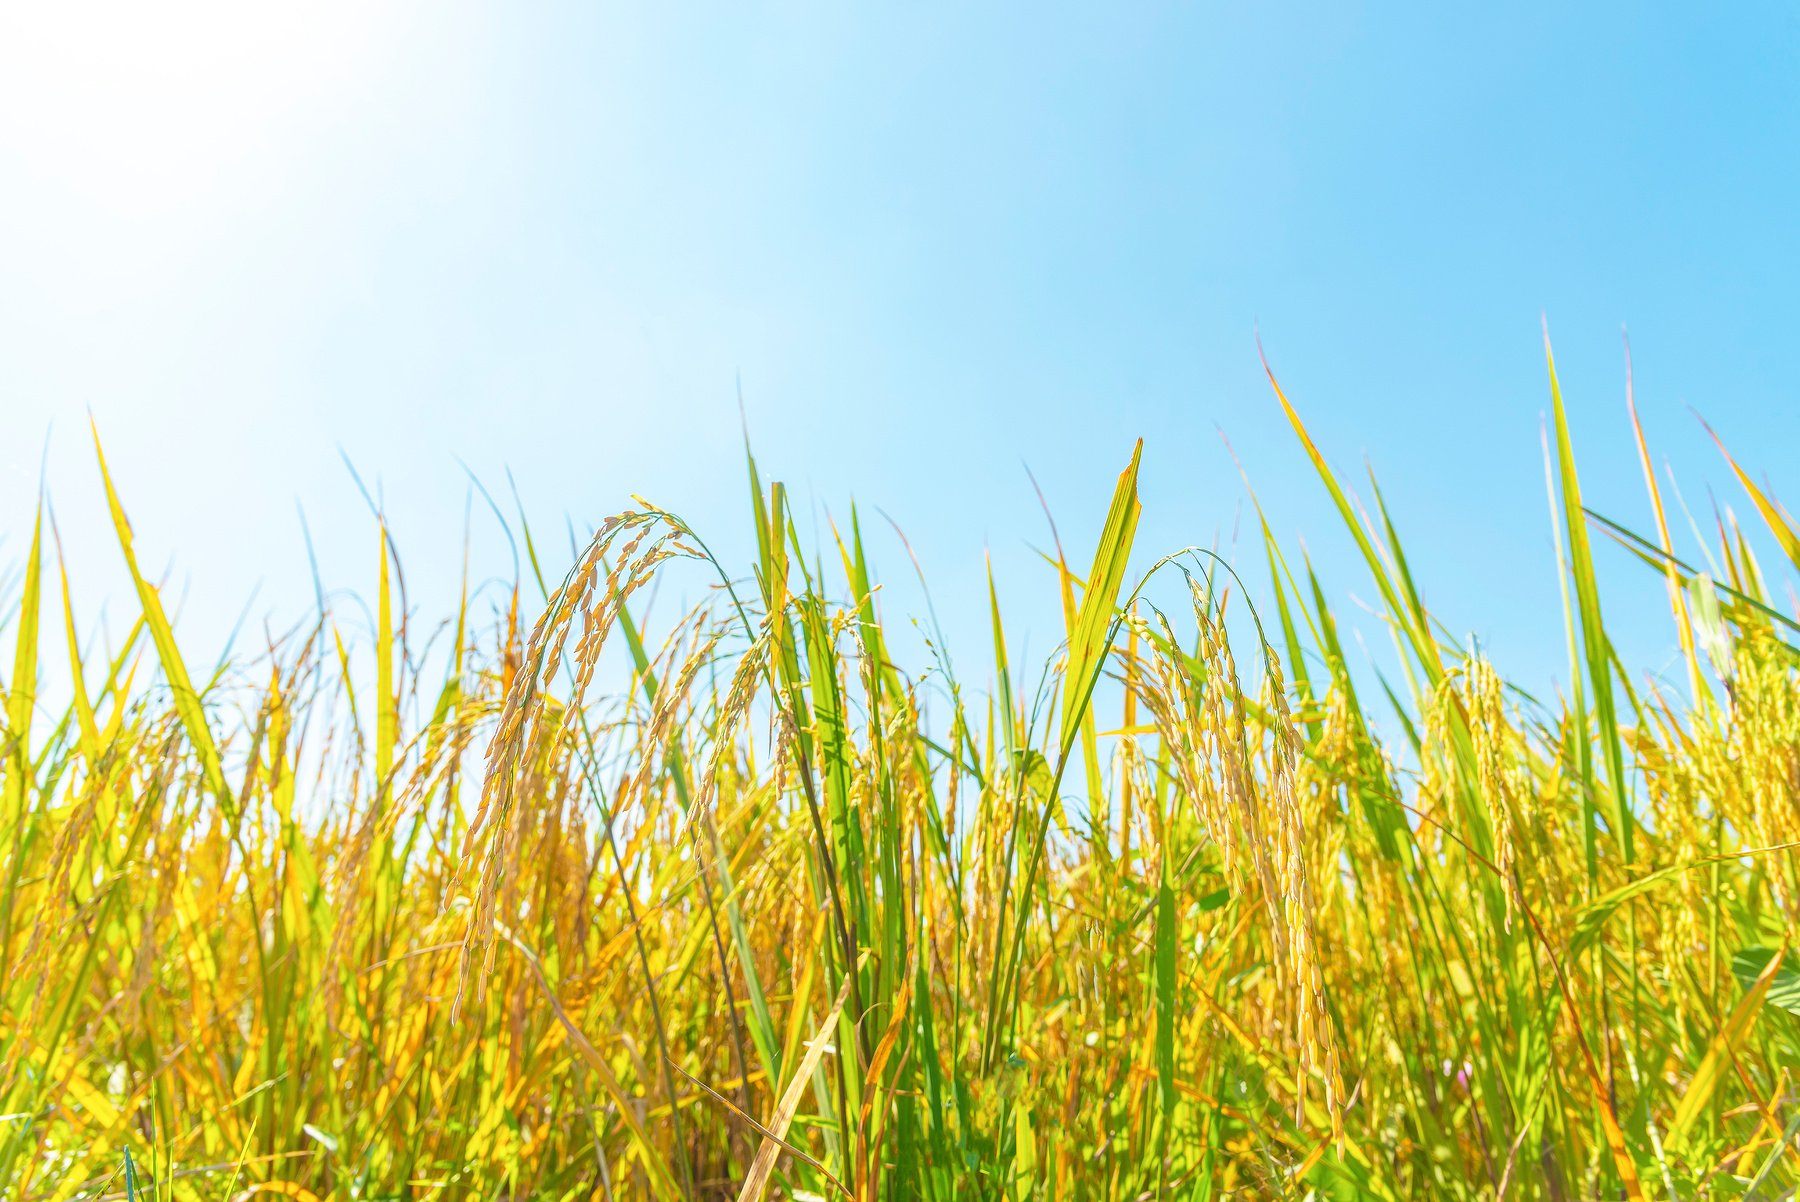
(933, 245)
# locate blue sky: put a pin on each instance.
(935, 244)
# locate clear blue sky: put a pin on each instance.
(935, 244)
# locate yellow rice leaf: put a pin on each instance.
(84, 707)
(1087, 635)
(757, 1179)
(287, 1189)
(21, 699)
(1718, 1055)
(187, 701)
(1780, 525)
(387, 713)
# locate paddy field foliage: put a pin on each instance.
(562, 902)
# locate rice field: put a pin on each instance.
(555, 903)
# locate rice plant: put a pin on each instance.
(556, 903)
